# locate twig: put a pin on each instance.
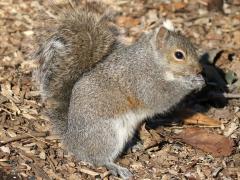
(8, 112)
(89, 172)
(28, 135)
(194, 18)
(226, 95)
(216, 171)
(25, 136)
(51, 163)
(105, 174)
(71, 4)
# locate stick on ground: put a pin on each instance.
(24, 136)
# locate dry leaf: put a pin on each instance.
(20, 102)
(150, 138)
(127, 21)
(215, 144)
(201, 119)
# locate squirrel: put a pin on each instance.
(97, 90)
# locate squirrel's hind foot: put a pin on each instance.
(116, 170)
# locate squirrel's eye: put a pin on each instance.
(179, 55)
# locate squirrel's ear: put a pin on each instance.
(162, 34)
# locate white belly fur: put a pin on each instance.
(127, 123)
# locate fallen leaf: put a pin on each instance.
(127, 21)
(215, 144)
(150, 138)
(201, 119)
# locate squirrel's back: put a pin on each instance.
(71, 44)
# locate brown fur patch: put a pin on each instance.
(130, 103)
(134, 103)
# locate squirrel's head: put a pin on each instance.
(179, 58)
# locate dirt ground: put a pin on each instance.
(203, 145)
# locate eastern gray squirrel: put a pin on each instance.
(98, 90)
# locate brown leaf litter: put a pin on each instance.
(217, 145)
(30, 150)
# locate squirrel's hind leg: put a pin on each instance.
(115, 169)
(99, 144)
(112, 149)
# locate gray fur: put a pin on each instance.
(67, 47)
(100, 109)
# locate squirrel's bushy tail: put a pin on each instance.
(71, 44)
